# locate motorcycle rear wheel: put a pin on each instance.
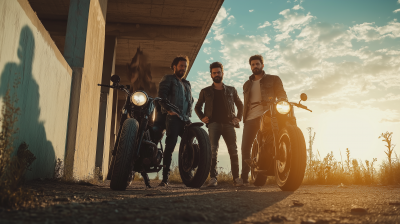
(122, 174)
(195, 158)
(291, 159)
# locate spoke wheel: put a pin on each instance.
(291, 158)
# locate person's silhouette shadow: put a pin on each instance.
(31, 129)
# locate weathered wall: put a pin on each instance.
(28, 54)
(84, 49)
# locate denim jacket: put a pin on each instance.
(270, 85)
(207, 96)
(170, 88)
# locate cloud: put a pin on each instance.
(297, 7)
(369, 32)
(264, 25)
(207, 50)
(291, 21)
(397, 10)
(222, 14)
(206, 41)
(251, 10)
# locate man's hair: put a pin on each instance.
(216, 65)
(178, 59)
(256, 57)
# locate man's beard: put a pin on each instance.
(257, 71)
(217, 79)
(180, 73)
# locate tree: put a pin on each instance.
(387, 137)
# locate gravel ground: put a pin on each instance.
(74, 203)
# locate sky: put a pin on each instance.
(345, 55)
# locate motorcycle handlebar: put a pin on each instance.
(105, 85)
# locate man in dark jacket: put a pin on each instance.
(259, 88)
(178, 91)
(219, 115)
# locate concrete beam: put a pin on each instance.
(136, 31)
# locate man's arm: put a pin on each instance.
(278, 89)
(239, 105)
(164, 87)
(199, 105)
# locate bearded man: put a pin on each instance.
(178, 91)
(260, 87)
(220, 118)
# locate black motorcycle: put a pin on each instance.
(279, 149)
(136, 144)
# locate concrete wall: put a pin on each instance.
(28, 54)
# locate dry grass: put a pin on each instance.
(13, 168)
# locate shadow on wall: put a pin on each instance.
(31, 129)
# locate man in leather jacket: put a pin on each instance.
(259, 89)
(219, 115)
(178, 91)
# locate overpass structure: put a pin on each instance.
(89, 41)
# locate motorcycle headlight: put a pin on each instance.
(283, 107)
(139, 98)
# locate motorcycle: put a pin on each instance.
(136, 147)
(279, 149)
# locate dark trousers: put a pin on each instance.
(174, 128)
(227, 131)
(250, 130)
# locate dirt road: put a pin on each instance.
(64, 203)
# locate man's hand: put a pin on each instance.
(235, 121)
(172, 113)
(205, 120)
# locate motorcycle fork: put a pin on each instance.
(142, 128)
(124, 116)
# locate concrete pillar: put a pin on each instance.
(106, 106)
(84, 49)
(114, 127)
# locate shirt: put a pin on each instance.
(255, 97)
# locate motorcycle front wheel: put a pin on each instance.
(291, 158)
(195, 157)
(258, 178)
(122, 174)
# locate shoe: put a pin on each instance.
(212, 182)
(238, 182)
(163, 184)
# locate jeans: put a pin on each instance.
(174, 128)
(250, 130)
(215, 130)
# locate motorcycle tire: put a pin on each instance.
(111, 168)
(259, 179)
(290, 144)
(122, 173)
(203, 160)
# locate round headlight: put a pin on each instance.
(283, 107)
(139, 98)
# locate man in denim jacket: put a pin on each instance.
(219, 115)
(178, 91)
